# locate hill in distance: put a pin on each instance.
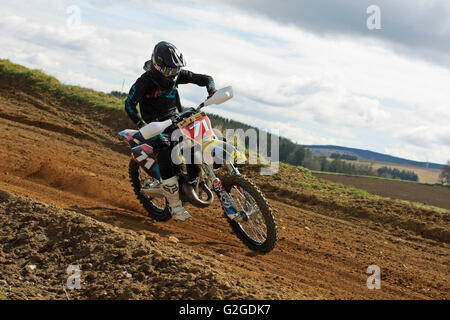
(327, 150)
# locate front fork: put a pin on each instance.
(227, 202)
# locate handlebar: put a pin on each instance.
(200, 106)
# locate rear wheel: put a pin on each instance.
(156, 208)
(258, 229)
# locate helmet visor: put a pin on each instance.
(166, 71)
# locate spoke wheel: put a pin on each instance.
(256, 228)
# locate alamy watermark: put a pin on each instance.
(373, 22)
(374, 281)
(74, 279)
(238, 146)
(74, 18)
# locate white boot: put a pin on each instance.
(172, 194)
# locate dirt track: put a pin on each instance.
(63, 156)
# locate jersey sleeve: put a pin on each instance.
(135, 96)
(201, 80)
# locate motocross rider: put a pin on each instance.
(158, 98)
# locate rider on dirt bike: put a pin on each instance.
(158, 98)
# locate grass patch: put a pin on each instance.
(3, 296)
(333, 188)
(285, 165)
(423, 206)
(66, 93)
(360, 192)
(360, 176)
(305, 172)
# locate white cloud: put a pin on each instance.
(425, 136)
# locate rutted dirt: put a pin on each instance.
(114, 264)
(71, 158)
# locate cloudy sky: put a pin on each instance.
(312, 69)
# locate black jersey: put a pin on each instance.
(156, 104)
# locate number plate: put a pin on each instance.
(197, 126)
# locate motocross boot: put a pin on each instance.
(172, 194)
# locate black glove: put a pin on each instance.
(211, 90)
(175, 119)
(141, 123)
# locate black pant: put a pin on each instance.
(163, 148)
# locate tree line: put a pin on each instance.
(395, 173)
(343, 156)
(298, 155)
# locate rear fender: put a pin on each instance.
(133, 137)
(146, 158)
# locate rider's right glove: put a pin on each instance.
(175, 119)
(211, 88)
(141, 123)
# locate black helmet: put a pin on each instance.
(166, 59)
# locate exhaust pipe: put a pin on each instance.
(187, 194)
(187, 190)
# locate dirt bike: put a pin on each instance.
(244, 205)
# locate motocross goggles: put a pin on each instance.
(167, 72)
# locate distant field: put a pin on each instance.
(426, 175)
(428, 194)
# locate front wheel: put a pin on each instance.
(257, 228)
